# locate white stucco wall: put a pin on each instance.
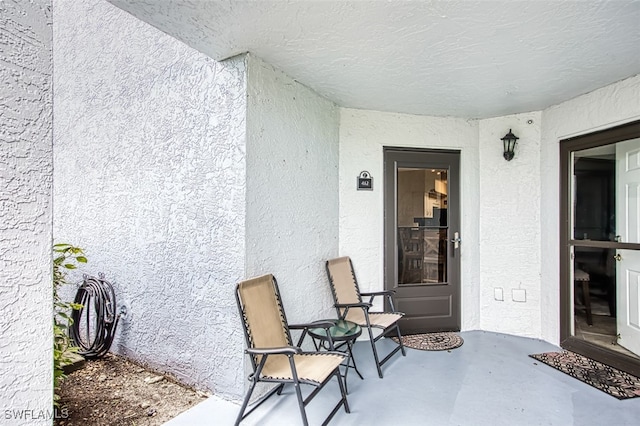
(149, 158)
(603, 108)
(363, 134)
(510, 225)
(509, 209)
(292, 189)
(181, 176)
(26, 375)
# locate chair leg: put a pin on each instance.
(343, 399)
(245, 403)
(296, 384)
(404, 353)
(586, 297)
(303, 413)
(355, 367)
(375, 352)
(343, 391)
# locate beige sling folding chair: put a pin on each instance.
(274, 357)
(349, 305)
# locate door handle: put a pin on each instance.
(617, 257)
(456, 240)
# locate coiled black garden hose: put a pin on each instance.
(97, 317)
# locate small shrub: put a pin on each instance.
(65, 258)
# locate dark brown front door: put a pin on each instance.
(422, 233)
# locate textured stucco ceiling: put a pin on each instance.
(472, 59)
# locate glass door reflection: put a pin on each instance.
(605, 217)
(422, 226)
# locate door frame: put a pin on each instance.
(567, 341)
(390, 252)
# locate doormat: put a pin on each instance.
(432, 341)
(601, 376)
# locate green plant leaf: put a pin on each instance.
(62, 344)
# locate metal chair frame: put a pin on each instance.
(289, 351)
(343, 308)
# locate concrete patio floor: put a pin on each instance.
(489, 380)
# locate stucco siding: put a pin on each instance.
(509, 209)
(149, 158)
(292, 189)
(26, 375)
(363, 134)
(510, 225)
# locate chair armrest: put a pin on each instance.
(305, 328)
(346, 306)
(380, 293)
(318, 324)
(386, 293)
(364, 305)
(284, 350)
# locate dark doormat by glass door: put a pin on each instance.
(601, 376)
(443, 341)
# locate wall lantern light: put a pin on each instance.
(509, 142)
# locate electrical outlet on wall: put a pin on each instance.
(519, 295)
(498, 294)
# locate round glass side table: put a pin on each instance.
(342, 333)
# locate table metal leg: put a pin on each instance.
(351, 357)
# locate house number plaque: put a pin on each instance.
(365, 181)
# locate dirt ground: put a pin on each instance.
(115, 392)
